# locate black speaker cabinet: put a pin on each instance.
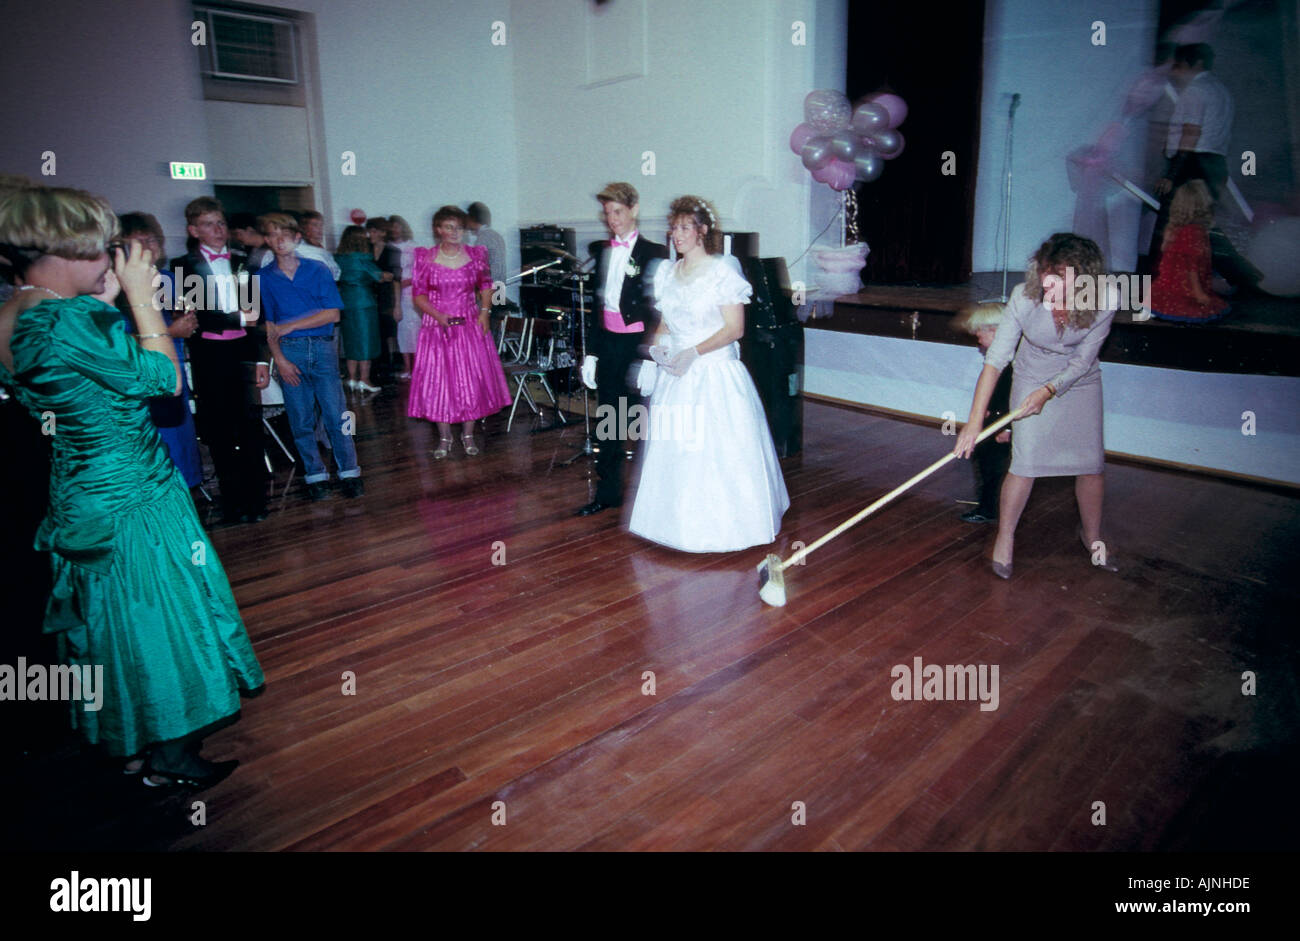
(772, 350)
(744, 244)
(542, 243)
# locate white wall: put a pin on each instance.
(113, 89)
(1070, 90)
(719, 87)
(418, 92)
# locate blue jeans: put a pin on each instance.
(317, 359)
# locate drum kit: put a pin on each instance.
(553, 312)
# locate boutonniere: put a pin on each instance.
(632, 269)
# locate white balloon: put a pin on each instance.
(1275, 250)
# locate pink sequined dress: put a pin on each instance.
(457, 374)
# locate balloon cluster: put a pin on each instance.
(840, 143)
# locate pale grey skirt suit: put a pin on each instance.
(1065, 438)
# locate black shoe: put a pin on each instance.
(595, 506)
(318, 491)
(975, 516)
(217, 772)
(352, 487)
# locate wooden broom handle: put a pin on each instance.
(864, 513)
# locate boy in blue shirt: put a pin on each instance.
(301, 305)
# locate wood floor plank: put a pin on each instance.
(500, 649)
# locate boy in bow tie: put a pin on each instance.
(624, 308)
(229, 361)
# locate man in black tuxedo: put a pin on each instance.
(624, 313)
(229, 361)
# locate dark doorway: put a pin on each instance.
(917, 220)
(261, 199)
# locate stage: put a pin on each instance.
(1259, 336)
(456, 662)
(1220, 398)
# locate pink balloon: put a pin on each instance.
(896, 107)
(841, 175)
(800, 136)
(823, 174)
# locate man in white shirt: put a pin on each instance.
(1202, 120)
(1196, 149)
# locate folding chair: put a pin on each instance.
(539, 336)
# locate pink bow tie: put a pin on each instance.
(213, 256)
(620, 243)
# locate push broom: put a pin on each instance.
(771, 571)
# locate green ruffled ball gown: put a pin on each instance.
(138, 588)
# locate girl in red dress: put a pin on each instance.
(1181, 290)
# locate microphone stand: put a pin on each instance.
(587, 449)
(1006, 202)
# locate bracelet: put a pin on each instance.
(1051, 389)
(149, 305)
(152, 336)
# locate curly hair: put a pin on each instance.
(701, 212)
(400, 229)
(1191, 205)
(450, 212)
(1065, 250)
(354, 239)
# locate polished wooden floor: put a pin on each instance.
(519, 687)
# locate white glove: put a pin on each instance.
(646, 376)
(661, 355)
(682, 361)
(588, 372)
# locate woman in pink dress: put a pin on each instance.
(457, 375)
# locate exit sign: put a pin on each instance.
(189, 171)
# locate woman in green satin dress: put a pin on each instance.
(359, 319)
(138, 589)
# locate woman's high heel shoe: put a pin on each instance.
(216, 772)
(468, 442)
(1099, 556)
(1001, 570)
(443, 449)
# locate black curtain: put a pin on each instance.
(918, 221)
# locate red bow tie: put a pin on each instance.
(213, 256)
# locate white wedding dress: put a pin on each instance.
(710, 479)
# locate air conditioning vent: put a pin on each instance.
(248, 47)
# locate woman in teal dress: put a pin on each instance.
(359, 319)
(138, 589)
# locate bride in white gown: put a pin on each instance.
(710, 480)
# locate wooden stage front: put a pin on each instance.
(522, 686)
